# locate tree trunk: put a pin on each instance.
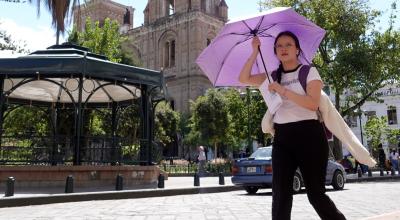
(337, 149)
(337, 145)
(215, 149)
(58, 36)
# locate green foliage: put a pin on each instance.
(27, 120)
(246, 109)
(209, 121)
(393, 137)
(105, 40)
(376, 130)
(166, 123)
(223, 116)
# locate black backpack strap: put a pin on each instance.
(274, 75)
(303, 74)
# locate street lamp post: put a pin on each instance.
(248, 95)
(359, 113)
(248, 120)
(361, 131)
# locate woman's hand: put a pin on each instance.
(276, 87)
(255, 43)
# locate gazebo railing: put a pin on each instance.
(54, 150)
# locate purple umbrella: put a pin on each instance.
(223, 59)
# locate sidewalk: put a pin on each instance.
(388, 216)
(173, 186)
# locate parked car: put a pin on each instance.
(255, 172)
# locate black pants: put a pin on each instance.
(300, 144)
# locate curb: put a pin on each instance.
(372, 179)
(111, 195)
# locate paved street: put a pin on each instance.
(357, 201)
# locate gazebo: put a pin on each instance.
(70, 77)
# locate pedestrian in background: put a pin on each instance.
(394, 159)
(300, 139)
(202, 160)
(382, 157)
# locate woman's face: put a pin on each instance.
(286, 49)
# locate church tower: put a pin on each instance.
(99, 10)
(174, 33)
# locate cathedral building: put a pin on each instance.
(173, 35)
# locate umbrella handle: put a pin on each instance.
(262, 59)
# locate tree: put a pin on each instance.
(393, 136)
(105, 40)
(376, 129)
(353, 57)
(166, 123)
(209, 120)
(240, 112)
(61, 12)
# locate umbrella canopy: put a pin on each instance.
(224, 58)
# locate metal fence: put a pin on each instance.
(192, 168)
(53, 150)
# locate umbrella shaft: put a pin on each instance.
(265, 68)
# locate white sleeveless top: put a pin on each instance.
(289, 110)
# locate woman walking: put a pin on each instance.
(300, 139)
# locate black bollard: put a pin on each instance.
(69, 185)
(196, 179)
(392, 171)
(369, 172)
(161, 179)
(359, 172)
(119, 184)
(10, 187)
(221, 179)
(381, 172)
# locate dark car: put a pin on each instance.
(255, 172)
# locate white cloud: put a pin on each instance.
(35, 38)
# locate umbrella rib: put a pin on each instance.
(229, 52)
(266, 29)
(247, 25)
(265, 35)
(244, 34)
(227, 34)
(259, 23)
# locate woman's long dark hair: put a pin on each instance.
(297, 43)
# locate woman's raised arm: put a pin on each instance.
(245, 77)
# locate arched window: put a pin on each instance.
(392, 115)
(169, 54)
(203, 5)
(170, 7)
(172, 54)
(167, 49)
(166, 54)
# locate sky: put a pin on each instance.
(20, 20)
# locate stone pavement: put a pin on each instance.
(178, 188)
(359, 201)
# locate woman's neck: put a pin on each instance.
(290, 65)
